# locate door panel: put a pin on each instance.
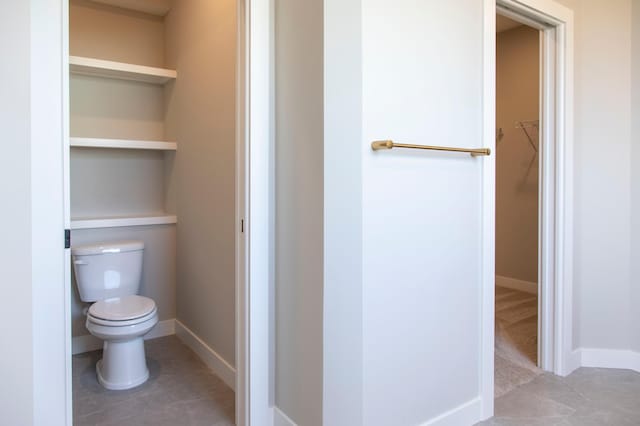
(422, 84)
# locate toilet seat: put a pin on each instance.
(122, 311)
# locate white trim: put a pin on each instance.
(516, 284)
(89, 342)
(241, 192)
(281, 419)
(465, 414)
(488, 253)
(66, 193)
(50, 388)
(211, 358)
(556, 227)
(608, 358)
(254, 320)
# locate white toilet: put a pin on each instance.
(109, 274)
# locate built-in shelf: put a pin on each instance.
(120, 221)
(120, 70)
(122, 144)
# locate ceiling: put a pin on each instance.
(154, 7)
(503, 23)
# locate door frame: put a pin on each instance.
(556, 186)
(255, 199)
(254, 195)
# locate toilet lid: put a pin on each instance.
(122, 308)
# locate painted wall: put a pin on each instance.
(343, 348)
(299, 209)
(419, 84)
(517, 93)
(31, 391)
(635, 178)
(200, 115)
(16, 389)
(105, 32)
(101, 180)
(602, 173)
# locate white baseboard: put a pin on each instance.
(609, 358)
(88, 342)
(215, 362)
(516, 284)
(572, 363)
(281, 419)
(468, 413)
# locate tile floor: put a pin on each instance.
(181, 391)
(589, 396)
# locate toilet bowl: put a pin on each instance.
(109, 275)
(122, 323)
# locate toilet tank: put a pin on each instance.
(107, 270)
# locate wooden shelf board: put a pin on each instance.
(120, 221)
(120, 70)
(122, 144)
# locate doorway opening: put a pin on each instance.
(156, 169)
(555, 187)
(517, 203)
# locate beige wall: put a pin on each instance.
(635, 177)
(121, 182)
(299, 209)
(115, 34)
(200, 116)
(517, 93)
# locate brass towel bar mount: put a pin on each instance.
(388, 144)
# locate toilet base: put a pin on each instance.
(123, 364)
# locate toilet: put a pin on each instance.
(109, 275)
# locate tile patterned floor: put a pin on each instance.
(181, 391)
(589, 396)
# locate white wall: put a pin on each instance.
(16, 389)
(342, 315)
(421, 83)
(34, 364)
(299, 209)
(602, 173)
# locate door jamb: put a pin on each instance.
(255, 198)
(556, 227)
(254, 195)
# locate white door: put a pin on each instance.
(422, 212)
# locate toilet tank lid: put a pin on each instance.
(110, 247)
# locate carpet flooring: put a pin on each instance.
(516, 339)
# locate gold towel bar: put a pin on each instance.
(378, 145)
